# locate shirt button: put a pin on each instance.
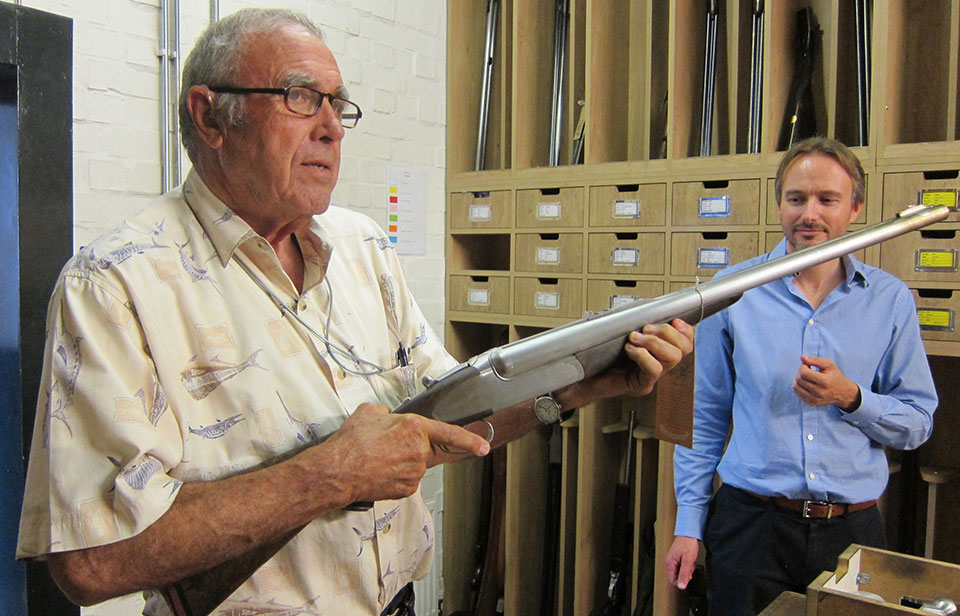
(302, 305)
(812, 476)
(810, 321)
(809, 437)
(341, 374)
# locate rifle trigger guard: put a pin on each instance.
(490, 433)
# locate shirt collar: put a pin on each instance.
(852, 268)
(227, 231)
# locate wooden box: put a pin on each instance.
(864, 573)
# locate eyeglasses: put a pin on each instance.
(305, 101)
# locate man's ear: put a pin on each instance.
(200, 104)
(855, 211)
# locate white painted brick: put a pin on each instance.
(384, 9)
(384, 101)
(384, 55)
(99, 42)
(144, 178)
(425, 66)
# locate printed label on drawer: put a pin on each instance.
(713, 207)
(936, 260)
(546, 300)
(939, 196)
(478, 297)
(621, 300)
(713, 257)
(626, 208)
(625, 256)
(481, 212)
(936, 319)
(548, 211)
(548, 256)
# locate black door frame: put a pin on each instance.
(40, 47)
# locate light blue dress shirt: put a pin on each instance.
(747, 357)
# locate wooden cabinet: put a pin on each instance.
(646, 214)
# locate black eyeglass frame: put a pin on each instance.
(285, 92)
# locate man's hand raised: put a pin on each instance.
(654, 350)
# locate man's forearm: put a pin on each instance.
(208, 524)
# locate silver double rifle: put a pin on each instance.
(521, 370)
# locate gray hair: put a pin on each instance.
(215, 60)
(832, 149)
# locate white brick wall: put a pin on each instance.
(392, 57)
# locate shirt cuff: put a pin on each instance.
(868, 411)
(690, 521)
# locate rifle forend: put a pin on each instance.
(516, 372)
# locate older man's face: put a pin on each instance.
(279, 166)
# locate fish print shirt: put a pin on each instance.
(166, 363)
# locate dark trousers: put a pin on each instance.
(402, 603)
(756, 550)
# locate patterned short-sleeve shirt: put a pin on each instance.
(167, 362)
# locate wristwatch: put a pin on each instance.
(547, 409)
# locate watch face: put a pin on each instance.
(547, 409)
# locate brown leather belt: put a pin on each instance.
(814, 509)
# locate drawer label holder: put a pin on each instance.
(936, 260)
(478, 297)
(713, 258)
(713, 207)
(937, 319)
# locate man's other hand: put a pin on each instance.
(819, 382)
(681, 560)
(654, 350)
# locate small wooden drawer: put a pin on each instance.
(901, 190)
(487, 294)
(626, 253)
(937, 310)
(636, 205)
(704, 254)
(726, 202)
(927, 255)
(550, 252)
(548, 297)
(773, 217)
(480, 210)
(608, 294)
(772, 238)
(550, 207)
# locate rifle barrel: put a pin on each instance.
(756, 80)
(862, 10)
(709, 81)
(521, 370)
(488, 56)
(559, 60)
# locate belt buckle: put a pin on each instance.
(806, 508)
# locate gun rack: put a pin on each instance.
(531, 246)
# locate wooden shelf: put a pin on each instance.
(638, 67)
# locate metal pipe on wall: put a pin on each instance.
(214, 10)
(169, 55)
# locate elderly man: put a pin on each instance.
(219, 369)
(815, 373)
